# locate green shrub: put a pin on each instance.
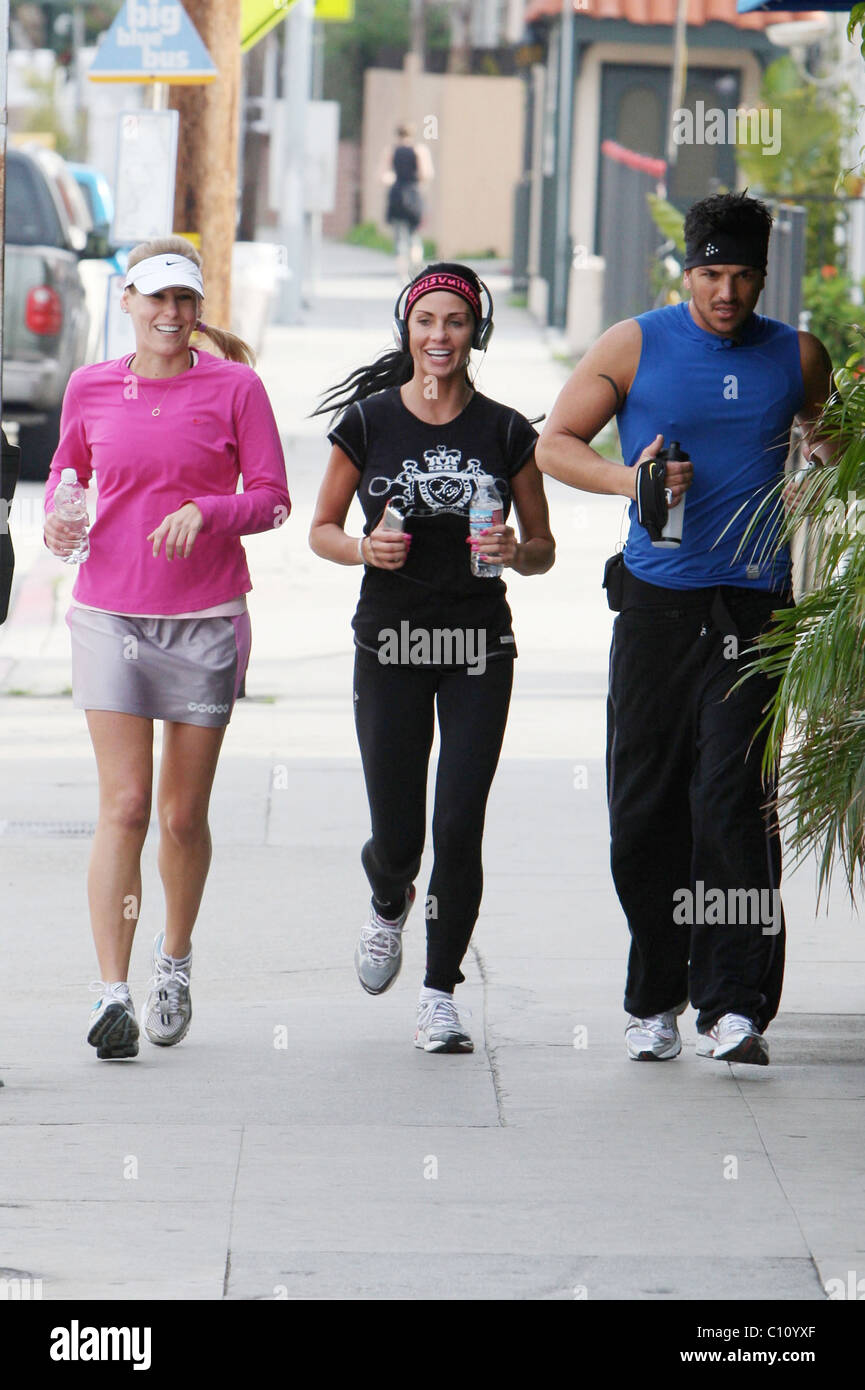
(827, 296)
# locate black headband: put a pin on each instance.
(728, 248)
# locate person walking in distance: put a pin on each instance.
(406, 167)
(695, 848)
(159, 621)
(418, 445)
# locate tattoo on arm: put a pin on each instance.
(619, 397)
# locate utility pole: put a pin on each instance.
(564, 153)
(678, 80)
(296, 83)
(78, 41)
(206, 189)
(459, 55)
(413, 63)
(418, 31)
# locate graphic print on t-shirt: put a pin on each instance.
(430, 472)
(442, 486)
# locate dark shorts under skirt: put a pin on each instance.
(188, 670)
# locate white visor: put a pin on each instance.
(165, 272)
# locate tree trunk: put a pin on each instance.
(206, 188)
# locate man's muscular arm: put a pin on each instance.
(817, 381)
(595, 391)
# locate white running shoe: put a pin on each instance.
(378, 954)
(113, 1027)
(654, 1039)
(438, 1025)
(734, 1038)
(168, 1006)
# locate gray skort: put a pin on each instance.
(188, 670)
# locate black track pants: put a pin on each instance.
(394, 709)
(690, 813)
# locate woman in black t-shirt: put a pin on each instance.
(430, 636)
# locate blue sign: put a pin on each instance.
(151, 41)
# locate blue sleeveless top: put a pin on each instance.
(730, 405)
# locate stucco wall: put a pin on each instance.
(473, 129)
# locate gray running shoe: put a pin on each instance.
(378, 955)
(168, 1006)
(654, 1039)
(113, 1029)
(734, 1038)
(439, 1028)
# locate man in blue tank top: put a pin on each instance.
(695, 849)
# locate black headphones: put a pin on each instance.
(483, 326)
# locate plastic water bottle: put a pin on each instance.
(486, 511)
(70, 504)
(671, 535)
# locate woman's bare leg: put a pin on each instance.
(123, 744)
(189, 757)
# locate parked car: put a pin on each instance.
(45, 317)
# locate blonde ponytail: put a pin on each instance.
(227, 345)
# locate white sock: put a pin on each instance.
(428, 995)
(175, 960)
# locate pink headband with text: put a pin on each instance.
(455, 283)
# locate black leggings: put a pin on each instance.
(394, 710)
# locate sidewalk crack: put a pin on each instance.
(488, 1047)
(268, 806)
(805, 1241)
(227, 1271)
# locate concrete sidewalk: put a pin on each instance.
(296, 1145)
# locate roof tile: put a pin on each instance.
(663, 12)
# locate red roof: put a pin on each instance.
(662, 12)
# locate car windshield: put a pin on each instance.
(31, 218)
(87, 194)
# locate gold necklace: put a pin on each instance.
(156, 410)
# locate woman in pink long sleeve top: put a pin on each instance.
(159, 623)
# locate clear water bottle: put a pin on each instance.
(486, 511)
(70, 504)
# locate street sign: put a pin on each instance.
(320, 147)
(258, 17)
(152, 42)
(144, 182)
(342, 10)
